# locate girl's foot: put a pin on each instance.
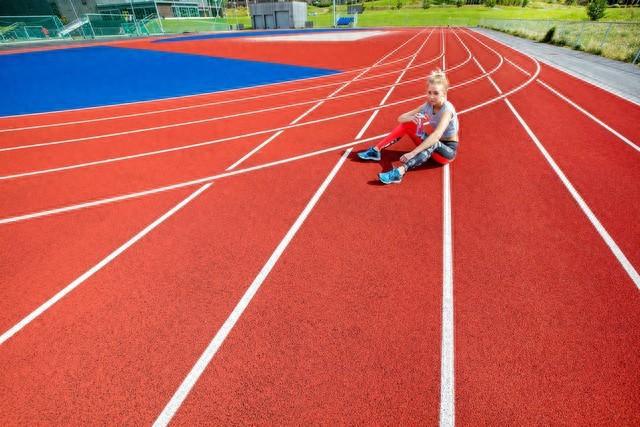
(370, 154)
(390, 177)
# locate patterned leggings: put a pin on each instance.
(442, 152)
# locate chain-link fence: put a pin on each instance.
(615, 40)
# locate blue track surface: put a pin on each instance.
(64, 79)
(233, 34)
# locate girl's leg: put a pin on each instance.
(440, 152)
(407, 128)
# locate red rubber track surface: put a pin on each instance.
(347, 326)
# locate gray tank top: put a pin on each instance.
(434, 118)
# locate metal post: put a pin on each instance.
(579, 35)
(235, 13)
(135, 20)
(74, 9)
(637, 57)
(334, 13)
(77, 17)
(604, 39)
(155, 3)
(93, 31)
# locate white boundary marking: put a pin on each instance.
(564, 70)
(210, 178)
(128, 196)
(447, 368)
(578, 107)
(216, 118)
(384, 99)
(212, 103)
(178, 97)
(209, 104)
(190, 380)
(215, 141)
(206, 179)
(610, 242)
(591, 116)
(77, 282)
(319, 103)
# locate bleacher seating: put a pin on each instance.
(345, 21)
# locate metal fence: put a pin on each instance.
(15, 28)
(615, 40)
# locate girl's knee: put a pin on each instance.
(441, 159)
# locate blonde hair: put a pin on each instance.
(438, 77)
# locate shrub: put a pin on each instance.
(426, 4)
(399, 4)
(569, 2)
(549, 36)
(459, 3)
(596, 8)
(490, 3)
(525, 3)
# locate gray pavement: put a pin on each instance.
(617, 77)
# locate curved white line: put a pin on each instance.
(215, 141)
(182, 97)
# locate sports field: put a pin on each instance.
(201, 246)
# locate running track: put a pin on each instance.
(223, 258)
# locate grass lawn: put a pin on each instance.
(413, 15)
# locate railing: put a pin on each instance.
(615, 40)
(69, 28)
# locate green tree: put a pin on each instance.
(459, 3)
(399, 4)
(490, 3)
(596, 8)
(426, 4)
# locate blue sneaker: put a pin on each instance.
(369, 154)
(391, 177)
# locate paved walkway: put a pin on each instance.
(618, 77)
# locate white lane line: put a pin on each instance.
(212, 103)
(190, 380)
(255, 150)
(503, 95)
(77, 282)
(604, 234)
(591, 116)
(557, 67)
(201, 180)
(156, 190)
(368, 123)
(578, 107)
(447, 372)
(231, 138)
(393, 86)
(186, 96)
(332, 95)
(200, 121)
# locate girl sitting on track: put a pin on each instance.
(441, 145)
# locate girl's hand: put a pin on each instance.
(407, 156)
(418, 119)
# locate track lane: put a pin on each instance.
(346, 326)
(131, 329)
(583, 151)
(542, 306)
(40, 257)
